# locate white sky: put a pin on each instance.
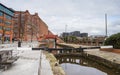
(78, 15)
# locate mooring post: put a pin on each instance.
(80, 49)
(55, 43)
(60, 51)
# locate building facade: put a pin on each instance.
(75, 33)
(65, 34)
(83, 34)
(28, 27)
(6, 24)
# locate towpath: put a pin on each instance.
(29, 63)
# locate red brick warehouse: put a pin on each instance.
(28, 27)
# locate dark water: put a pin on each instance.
(81, 66)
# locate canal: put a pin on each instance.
(74, 65)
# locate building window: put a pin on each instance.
(22, 15)
(7, 29)
(16, 14)
(7, 23)
(7, 39)
(8, 17)
(8, 12)
(1, 13)
(1, 8)
(0, 27)
(1, 21)
(5, 10)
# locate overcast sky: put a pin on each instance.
(74, 15)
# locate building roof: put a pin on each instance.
(7, 7)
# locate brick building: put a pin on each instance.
(6, 23)
(21, 25)
(28, 27)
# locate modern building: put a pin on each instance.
(83, 34)
(64, 34)
(6, 23)
(75, 33)
(28, 27)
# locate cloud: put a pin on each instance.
(78, 15)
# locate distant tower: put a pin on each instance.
(106, 25)
(65, 28)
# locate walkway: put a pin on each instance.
(28, 63)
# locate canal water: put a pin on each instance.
(80, 66)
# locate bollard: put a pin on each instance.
(19, 44)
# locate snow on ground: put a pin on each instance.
(28, 62)
(45, 66)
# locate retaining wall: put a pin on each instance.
(110, 50)
(102, 61)
(99, 60)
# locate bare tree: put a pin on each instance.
(3, 34)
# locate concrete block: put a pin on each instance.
(106, 47)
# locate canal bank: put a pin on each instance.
(55, 66)
(108, 59)
(78, 65)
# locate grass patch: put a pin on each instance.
(56, 68)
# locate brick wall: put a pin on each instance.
(28, 27)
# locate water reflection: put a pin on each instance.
(73, 69)
(81, 66)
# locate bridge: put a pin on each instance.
(65, 50)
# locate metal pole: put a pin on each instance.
(65, 28)
(66, 33)
(106, 24)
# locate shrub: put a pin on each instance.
(113, 40)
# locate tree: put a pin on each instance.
(3, 34)
(113, 40)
